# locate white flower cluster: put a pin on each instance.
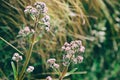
(52, 63)
(73, 52)
(16, 57)
(30, 69)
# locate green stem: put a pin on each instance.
(28, 55)
(17, 70)
(65, 69)
(63, 73)
(27, 60)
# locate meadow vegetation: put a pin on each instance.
(95, 22)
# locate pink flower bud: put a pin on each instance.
(82, 49)
(79, 59)
(48, 78)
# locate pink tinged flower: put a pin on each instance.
(67, 48)
(63, 47)
(51, 61)
(47, 28)
(46, 18)
(82, 49)
(79, 42)
(75, 61)
(66, 44)
(71, 52)
(56, 65)
(30, 69)
(45, 10)
(79, 59)
(26, 11)
(29, 7)
(49, 78)
(32, 30)
(74, 46)
(16, 57)
(41, 6)
(26, 29)
(68, 56)
(21, 32)
(34, 11)
(47, 24)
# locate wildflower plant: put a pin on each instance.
(30, 35)
(73, 55)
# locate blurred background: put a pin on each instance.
(95, 22)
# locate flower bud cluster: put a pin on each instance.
(25, 31)
(37, 10)
(73, 52)
(16, 57)
(41, 7)
(52, 63)
(30, 69)
(46, 22)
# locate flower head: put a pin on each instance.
(49, 78)
(30, 69)
(56, 65)
(79, 59)
(51, 61)
(73, 52)
(25, 31)
(41, 6)
(16, 57)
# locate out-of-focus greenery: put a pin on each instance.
(95, 22)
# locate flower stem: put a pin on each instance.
(27, 58)
(63, 73)
(17, 70)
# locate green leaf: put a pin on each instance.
(71, 72)
(14, 70)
